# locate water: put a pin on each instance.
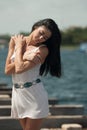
(71, 88)
(3, 77)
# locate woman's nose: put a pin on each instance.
(41, 37)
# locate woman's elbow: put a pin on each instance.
(7, 72)
(18, 70)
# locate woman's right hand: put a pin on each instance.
(19, 40)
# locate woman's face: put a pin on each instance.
(40, 34)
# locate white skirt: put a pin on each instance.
(30, 102)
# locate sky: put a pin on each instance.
(19, 15)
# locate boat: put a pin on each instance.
(83, 47)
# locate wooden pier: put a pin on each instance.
(59, 114)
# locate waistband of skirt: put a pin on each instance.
(27, 84)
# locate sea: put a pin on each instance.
(71, 88)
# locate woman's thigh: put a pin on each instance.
(23, 123)
(33, 124)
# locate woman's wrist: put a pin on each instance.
(18, 54)
(18, 47)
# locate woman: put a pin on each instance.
(30, 57)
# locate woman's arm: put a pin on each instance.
(28, 62)
(23, 63)
(10, 66)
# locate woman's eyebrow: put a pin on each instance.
(46, 37)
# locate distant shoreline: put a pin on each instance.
(63, 47)
(67, 47)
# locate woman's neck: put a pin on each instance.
(28, 40)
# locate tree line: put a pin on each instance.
(74, 36)
(71, 36)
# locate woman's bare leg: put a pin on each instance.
(23, 123)
(33, 124)
(30, 124)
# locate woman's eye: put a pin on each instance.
(41, 33)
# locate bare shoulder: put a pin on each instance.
(44, 50)
(42, 53)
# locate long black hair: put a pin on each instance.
(52, 62)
